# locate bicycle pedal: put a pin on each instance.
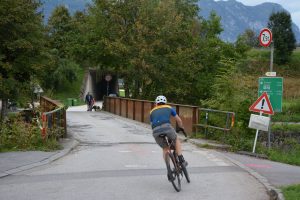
(184, 163)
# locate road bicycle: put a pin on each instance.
(176, 170)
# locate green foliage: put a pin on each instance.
(21, 45)
(62, 38)
(289, 152)
(286, 127)
(16, 135)
(66, 71)
(69, 90)
(249, 38)
(163, 43)
(291, 192)
(59, 28)
(290, 112)
(283, 36)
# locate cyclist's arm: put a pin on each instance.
(179, 121)
(177, 118)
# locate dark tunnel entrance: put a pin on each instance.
(103, 84)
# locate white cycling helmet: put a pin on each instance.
(161, 99)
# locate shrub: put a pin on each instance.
(17, 135)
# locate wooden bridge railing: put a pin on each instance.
(139, 110)
(191, 116)
(53, 115)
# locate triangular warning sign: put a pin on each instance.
(262, 104)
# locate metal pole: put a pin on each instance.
(256, 135)
(271, 70)
(106, 88)
(253, 151)
(271, 59)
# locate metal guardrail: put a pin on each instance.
(53, 116)
(229, 119)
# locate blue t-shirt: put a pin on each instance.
(161, 114)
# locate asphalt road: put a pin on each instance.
(118, 159)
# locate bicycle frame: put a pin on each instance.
(178, 170)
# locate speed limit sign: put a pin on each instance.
(265, 37)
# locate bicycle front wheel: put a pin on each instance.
(175, 175)
(186, 174)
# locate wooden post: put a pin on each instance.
(126, 108)
(120, 107)
(143, 112)
(194, 119)
(133, 114)
(115, 109)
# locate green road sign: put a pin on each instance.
(274, 88)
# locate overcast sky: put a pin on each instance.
(293, 6)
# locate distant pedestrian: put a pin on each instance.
(89, 100)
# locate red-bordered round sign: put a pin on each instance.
(265, 37)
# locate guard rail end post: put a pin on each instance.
(232, 120)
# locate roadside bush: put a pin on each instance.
(17, 135)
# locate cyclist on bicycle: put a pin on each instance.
(160, 121)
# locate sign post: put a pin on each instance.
(108, 78)
(261, 105)
(265, 39)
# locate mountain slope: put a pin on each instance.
(237, 17)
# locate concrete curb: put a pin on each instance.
(69, 146)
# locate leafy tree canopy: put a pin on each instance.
(21, 46)
(284, 39)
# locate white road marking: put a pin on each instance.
(136, 166)
(125, 151)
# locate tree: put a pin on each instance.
(62, 38)
(248, 38)
(284, 39)
(151, 44)
(21, 47)
(59, 28)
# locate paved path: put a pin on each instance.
(268, 172)
(118, 159)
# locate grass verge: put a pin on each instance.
(290, 156)
(291, 192)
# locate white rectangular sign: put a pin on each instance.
(259, 122)
(271, 74)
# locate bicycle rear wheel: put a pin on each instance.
(175, 179)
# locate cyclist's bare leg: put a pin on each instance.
(179, 152)
(165, 151)
(178, 147)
